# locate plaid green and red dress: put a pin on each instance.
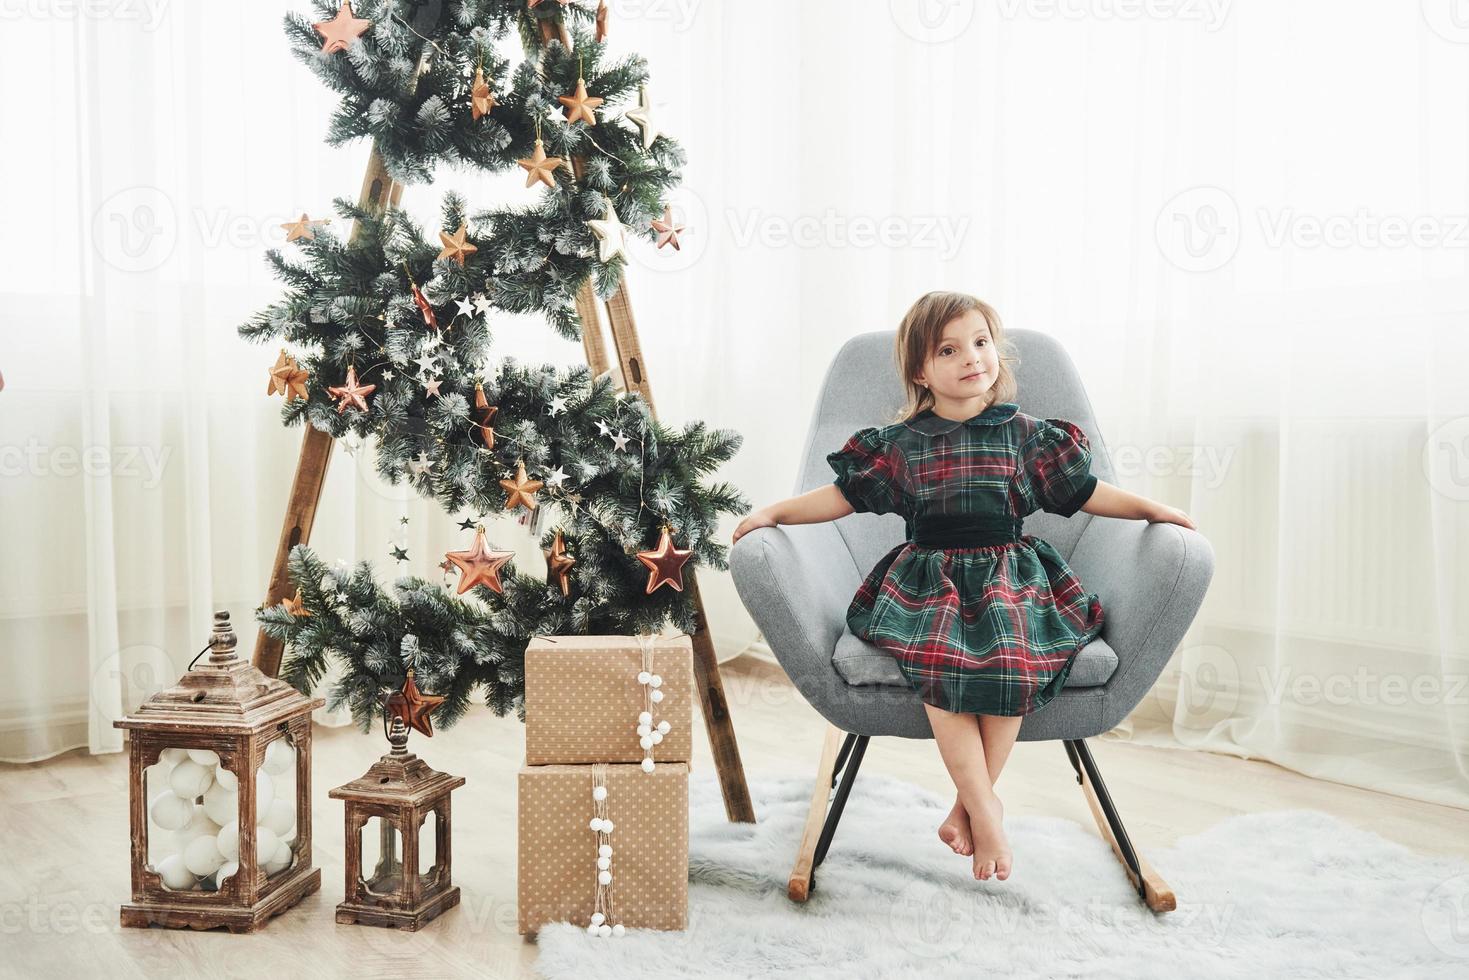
(980, 617)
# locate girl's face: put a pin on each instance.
(965, 364)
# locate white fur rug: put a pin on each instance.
(1294, 893)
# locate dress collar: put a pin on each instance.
(932, 424)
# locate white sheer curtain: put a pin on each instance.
(1245, 220)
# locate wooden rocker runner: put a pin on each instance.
(380, 192)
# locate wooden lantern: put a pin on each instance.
(220, 784)
(399, 792)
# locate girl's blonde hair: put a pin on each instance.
(918, 338)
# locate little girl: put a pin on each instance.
(984, 621)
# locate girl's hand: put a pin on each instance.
(1162, 513)
(760, 518)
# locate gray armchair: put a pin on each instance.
(797, 580)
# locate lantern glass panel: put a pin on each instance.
(186, 845)
(428, 846)
(382, 856)
(276, 835)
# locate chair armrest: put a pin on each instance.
(1151, 579)
(797, 581)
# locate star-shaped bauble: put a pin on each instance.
(342, 29)
(642, 115)
(351, 393)
(558, 564)
(665, 563)
(579, 104)
(287, 378)
(484, 414)
(601, 20)
(479, 565)
(296, 606)
(420, 465)
(610, 234)
(540, 167)
(425, 308)
(431, 387)
(413, 707)
(667, 231)
(521, 490)
(455, 245)
(304, 227)
(399, 553)
(481, 99)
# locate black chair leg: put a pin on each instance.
(848, 762)
(1150, 887)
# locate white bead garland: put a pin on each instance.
(651, 681)
(601, 824)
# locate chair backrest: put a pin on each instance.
(862, 388)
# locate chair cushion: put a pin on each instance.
(862, 664)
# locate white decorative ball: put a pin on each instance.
(644, 718)
(264, 791)
(228, 840)
(225, 872)
(604, 863)
(227, 779)
(199, 825)
(190, 780)
(591, 930)
(598, 918)
(171, 812)
(221, 804)
(656, 696)
(656, 738)
(664, 727)
(618, 929)
(155, 776)
(202, 856)
(174, 874)
(644, 677)
(280, 861)
(605, 851)
(596, 823)
(605, 877)
(647, 765)
(599, 792)
(205, 757)
(607, 825)
(279, 757)
(172, 757)
(644, 730)
(266, 844)
(280, 818)
(646, 741)
(656, 680)
(604, 930)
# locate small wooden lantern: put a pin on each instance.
(220, 786)
(399, 793)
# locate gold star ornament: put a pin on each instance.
(665, 562)
(456, 246)
(303, 227)
(413, 706)
(668, 232)
(296, 606)
(484, 414)
(521, 490)
(342, 29)
(540, 167)
(479, 565)
(287, 378)
(580, 105)
(351, 393)
(558, 564)
(481, 99)
(611, 235)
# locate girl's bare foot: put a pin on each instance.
(954, 831)
(991, 846)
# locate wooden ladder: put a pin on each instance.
(380, 192)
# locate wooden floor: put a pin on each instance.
(64, 839)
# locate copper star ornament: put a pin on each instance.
(295, 606)
(540, 167)
(521, 490)
(601, 20)
(287, 378)
(667, 232)
(558, 564)
(342, 29)
(481, 99)
(351, 393)
(642, 115)
(303, 227)
(479, 565)
(425, 308)
(456, 246)
(665, 563)
(413, 706)
(484, 414)
(579, 104)
(610, 234)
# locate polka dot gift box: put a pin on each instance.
(608, 699)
